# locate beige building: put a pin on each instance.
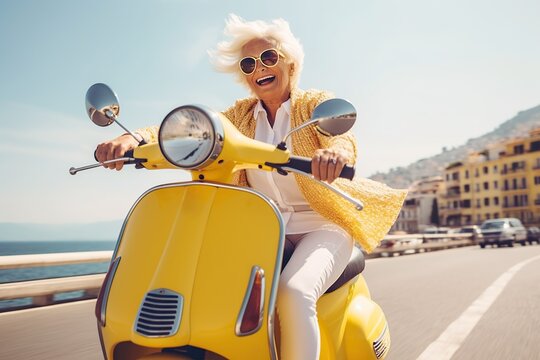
(501, 181)
(417, 211)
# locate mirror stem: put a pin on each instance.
(114, 118)
(282, 145)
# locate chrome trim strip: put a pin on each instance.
(254, 270)
(279, 258)
(171, 310)
(102, 311)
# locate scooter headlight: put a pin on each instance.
(191, 137)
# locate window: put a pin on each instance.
(486, 185)
(518, 149)
(467, 187)
(495, 184)
(537, 180)
(535, 146)
(477, 187)
(447, 177)
(455, 176)
(488, 216)
(486, 201)
(486, 170)
(514, 183)
(456, 204)
(506, 185)
(476, 173)
(496, 215)
(466, 174)
(495, 169)
(466, 204)
(496, 200)
(523, 183)
(477, 203)
(518, 165)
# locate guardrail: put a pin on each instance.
(42, 291)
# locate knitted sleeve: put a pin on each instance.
(149, 134)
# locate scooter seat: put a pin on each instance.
(356, 265)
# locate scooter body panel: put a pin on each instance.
(352, 325)
(187, 238)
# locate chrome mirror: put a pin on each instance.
(102, 104)
(334, 117)
(331, 117)
(103, 108)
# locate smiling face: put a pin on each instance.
(270, 84)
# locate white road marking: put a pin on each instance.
(451, 339)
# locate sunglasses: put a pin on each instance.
(268, 58)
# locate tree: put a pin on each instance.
(435, 213)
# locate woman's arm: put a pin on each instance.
(117, 147)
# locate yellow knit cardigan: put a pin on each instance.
(382, 203)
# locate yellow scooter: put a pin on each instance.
(195, 271)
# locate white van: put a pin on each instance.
(505, 231)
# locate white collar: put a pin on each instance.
(260, 108)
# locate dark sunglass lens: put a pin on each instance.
(269, 57)
(247, 65)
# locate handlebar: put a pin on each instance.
(303, 164)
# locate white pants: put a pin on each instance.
(318, 260)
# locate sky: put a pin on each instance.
(422, 74)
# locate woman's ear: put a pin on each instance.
(291, 69)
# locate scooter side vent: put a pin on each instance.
(382, 344)
(160, 313)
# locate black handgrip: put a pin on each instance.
(304, 164)
(129, 154)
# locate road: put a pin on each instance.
(422, 295)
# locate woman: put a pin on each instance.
(268, 59)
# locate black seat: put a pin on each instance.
(356, 265)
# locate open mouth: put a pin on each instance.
(265, 80)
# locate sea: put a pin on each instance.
(35, 273)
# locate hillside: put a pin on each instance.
(519, 125)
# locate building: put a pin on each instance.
(420, 209)
(501, 181)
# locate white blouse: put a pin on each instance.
(283, 190)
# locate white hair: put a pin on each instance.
(225, 58)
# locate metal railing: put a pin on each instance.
(43, 291)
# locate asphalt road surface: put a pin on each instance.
(466, 303)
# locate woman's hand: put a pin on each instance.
(114, 149)
(327, 164)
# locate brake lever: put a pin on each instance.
(358, 205)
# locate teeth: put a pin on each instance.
(261, 80)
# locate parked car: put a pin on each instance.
(505, 231)
(474, 230)
(533, 234)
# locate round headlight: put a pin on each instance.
(191, 137)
